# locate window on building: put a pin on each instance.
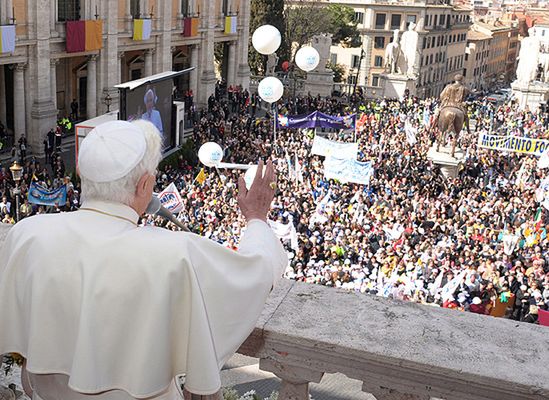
(351, 79)
(68, 10)
(135, 8)
(185, 7)
(466, 56)
(379, 42)
(395, 21)
(424, 43)
(442, 20)
(435, 22)
(410, 18)
(375, 80)
(225, 7)
(465, 72)
(378, 61)
(359, 17)
(354, 61)
(333, 58)
(380, 21)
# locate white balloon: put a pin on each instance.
(270, 89)
(266, 39)
(307, 58)
(250, 175)
(210, 154)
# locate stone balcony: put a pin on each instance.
(399, 350)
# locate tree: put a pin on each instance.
(338, 70)
(307, 18)
(266, 12)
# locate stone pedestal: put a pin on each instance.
(319, 83)
(395, 85)
(530, 95)
(449, 165)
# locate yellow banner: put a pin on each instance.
(516, 144)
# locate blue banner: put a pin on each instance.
(316, 120)
(348, 170)
(46, 197)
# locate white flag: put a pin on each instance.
(410, 132)
(171, 199)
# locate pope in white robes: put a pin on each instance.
(104, 309)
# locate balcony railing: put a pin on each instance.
(398, 350)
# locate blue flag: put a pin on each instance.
(47, 197)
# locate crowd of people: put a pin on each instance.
(474, 242)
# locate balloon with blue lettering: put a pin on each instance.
(250, 175)
(210, 154)
(266, 39)
(270, 89)
(307, 58)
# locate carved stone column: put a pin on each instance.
(2, 95)
(19, 101)
(53, 80)
(295, 380)
(231, 66)
(149, 62)
(193, 79)
(91, 88)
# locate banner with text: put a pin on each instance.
(348, 170)
(40, 195)
(327, 148)
(316, 120)
(517, 144)
(171, 199)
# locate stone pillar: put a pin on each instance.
(129, 18)
(53, 78)
(91, 88)
(295, 380)
(9, 11)
(109, 56)
(2, 95)
(193, 78)
(207, 75)
(231, 67)
(53, 18)
(163, 57)
(243, 69)
(149, 62)
(19, 101)
(180, 15)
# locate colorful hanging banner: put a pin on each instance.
(142, 29)
(7, 39)
(48, 197)
(230, 25)
(84, 35)
(190, 26)
(316, 120)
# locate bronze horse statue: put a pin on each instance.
(450, 120)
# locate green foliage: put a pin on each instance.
(266, 12)
(309, 18)
(338, 70)
(343, 26)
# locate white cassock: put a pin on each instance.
(118, 311)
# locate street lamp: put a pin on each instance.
(108, 102)
(16, 172)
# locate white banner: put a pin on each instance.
(327, 148)
(171, 199)
(348, 170)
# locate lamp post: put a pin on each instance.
(16, 172)
(108, 101)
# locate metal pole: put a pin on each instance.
(274, 122)
(16, 192)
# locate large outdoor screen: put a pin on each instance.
(153, 102)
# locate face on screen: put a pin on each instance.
(153, 102)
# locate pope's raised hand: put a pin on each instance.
(256, 202)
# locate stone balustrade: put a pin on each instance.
(399, 350)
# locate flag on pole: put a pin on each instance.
(7, 41)
(142, 29)
(230, 25)
(538, 219)
(201, 177)
(171, 199)
(410, 132)
(84, 35)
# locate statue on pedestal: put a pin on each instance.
(409, 45)
(453, 112)
(272, 62)
(392, 55)
(527, 67)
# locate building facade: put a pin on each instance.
(476, 60)
(39, 80)
(442, 30)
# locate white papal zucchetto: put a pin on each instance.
(110, 151)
